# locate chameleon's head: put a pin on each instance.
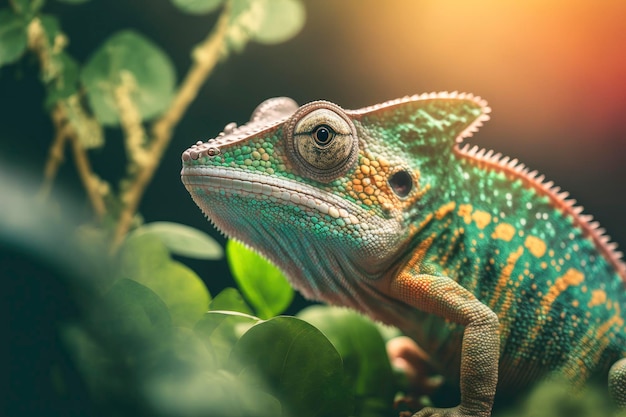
(330, 196)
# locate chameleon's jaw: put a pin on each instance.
(247, 211)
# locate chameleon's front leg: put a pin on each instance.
(481, 343)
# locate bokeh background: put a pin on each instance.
(554, 73)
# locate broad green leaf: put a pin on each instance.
(184, 240)
(282, 20)
(74, 1)
(130, 60)
(220, 330)
(263, 285)
(230, 299)
(184, 293)
(132, 316)
(364, 354)
(299, 363)
(197, 6)
(12, 36)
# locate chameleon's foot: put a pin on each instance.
(446, 412)
(617, 382)
(406, 356)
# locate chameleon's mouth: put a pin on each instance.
(285, 191)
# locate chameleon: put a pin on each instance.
(489, 268)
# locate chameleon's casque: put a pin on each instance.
(384, 209)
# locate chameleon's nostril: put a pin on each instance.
(213, 151)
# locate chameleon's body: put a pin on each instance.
(384, 210)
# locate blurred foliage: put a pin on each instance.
(105, 318)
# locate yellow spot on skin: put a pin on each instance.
(598, 297)
(503, 231)
(465, 211)
(441, 212)
(571, 277)
(481, 218)
(536, 246)
(365, 169)
(505, 276)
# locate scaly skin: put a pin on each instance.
(489, 269)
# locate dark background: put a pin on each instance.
(554, 73)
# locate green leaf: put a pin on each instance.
(12, 36)
(231, 300)
(219, 393)
(132, 316)
(129, 61)
(220, 330)
(74, 1)
(141, 254)
(197, 6)
(364, 354)
(263, 285)
(301, 366)
(146, 260)
(184, 240)
(282, 20)
(181, 289)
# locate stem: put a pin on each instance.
(55, 155)
(64, 130)
(206, 56)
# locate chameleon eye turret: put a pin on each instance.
(321, 141)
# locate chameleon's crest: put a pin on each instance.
(514, 169)
(435, 121)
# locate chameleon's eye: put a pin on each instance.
(323, 135)
(321, 141)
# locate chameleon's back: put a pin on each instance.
(546, 271)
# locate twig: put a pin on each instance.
(38, 43)
(55, 155)
(205, 56)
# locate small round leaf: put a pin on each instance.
(263, 285)
(131, 61)
(184, 240)
(282, 20)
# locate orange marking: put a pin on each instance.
(505, 276)
(503, 231)
(465, 211)
(572, 277)
(482, 218)
(536, 246)
(441, 212)
(420, 253)
(598, 297)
